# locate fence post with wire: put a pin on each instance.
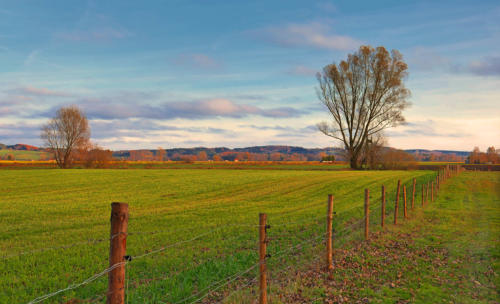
(382, 216)
(262, 258)
(413, 193)
(329, 239)
(367, 213)
(117, 252)
(118, 258)
(396, 205)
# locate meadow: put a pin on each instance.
(447, 252)
(24, 154)
(55, 225)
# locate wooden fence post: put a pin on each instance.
(422, 195)
(404, 197)
(396, 206)
(329, 245)
(367, 212)
(382, 216)
(117, 251)
(437, 182)
(427, 193)
(432, 191)
(262, 257)
(413, 193)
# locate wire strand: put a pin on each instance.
(73, 286)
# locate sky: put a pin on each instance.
(186, 73)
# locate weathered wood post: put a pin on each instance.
(413, 193)
(422, 195)
(382, 216)
(329, 241)
(262, 257)
(117, 252)
(396, 206)
(404, 197)
(367, 212)
(427, 193)
(432, 191)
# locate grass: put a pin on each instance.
(246, 165)
(24, 154)
(447, 253)
(52, 208)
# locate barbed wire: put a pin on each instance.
(165, 277)
(254, 280)
(96, 241)
(230, 278)
(73, 286)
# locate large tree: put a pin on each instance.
(67, 131)
(364, 94)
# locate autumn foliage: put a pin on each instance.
(490, 157)
(68, 131)
(93, 156)
(364, 94)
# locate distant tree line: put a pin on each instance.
(435, 156)
(162, 155)
(490, 157)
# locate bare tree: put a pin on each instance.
(64, 133)
(364, 94)
(373, 152)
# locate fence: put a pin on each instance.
(330, 238)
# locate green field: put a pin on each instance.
(42, 210)
(24, 154)
(243, 165)
(448, 252)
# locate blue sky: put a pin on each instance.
(241, 73)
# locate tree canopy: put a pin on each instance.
(364, 94)
(63, 134)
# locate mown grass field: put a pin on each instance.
(246, 165)
(42, 210)
(448, 252)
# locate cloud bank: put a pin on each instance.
(199, 109)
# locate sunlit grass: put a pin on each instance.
(51, 208)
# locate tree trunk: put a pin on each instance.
(354, 161)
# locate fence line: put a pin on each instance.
(238, 289)
(228, 279)
(73, 286)
(435, 180)
(224, 226)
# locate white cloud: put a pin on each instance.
(313, 34)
